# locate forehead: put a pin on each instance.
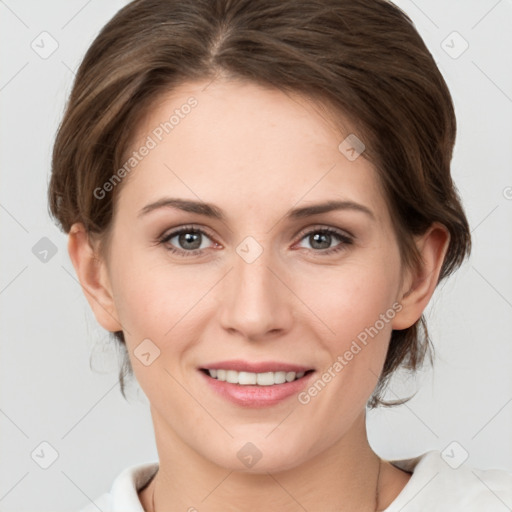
(246, 146)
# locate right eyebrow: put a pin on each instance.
(186, 205)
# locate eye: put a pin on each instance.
(320, 240)
(186, 241)
(192, 241)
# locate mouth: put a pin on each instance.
(256, 384)
(254, 379)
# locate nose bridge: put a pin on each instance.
(255, 302)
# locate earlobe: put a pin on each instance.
(420, 284)
(91, 272)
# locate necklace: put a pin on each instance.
(376, 491)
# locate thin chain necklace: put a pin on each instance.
(376, 491)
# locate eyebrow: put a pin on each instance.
(212, 211)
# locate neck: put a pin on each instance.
(343, 477)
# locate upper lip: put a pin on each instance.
(253, 367)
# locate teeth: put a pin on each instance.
(246, 378)
(265, 379)
(260, 379)
(232, 377)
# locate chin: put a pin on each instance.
(257, 455)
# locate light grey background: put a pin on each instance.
(48, 391)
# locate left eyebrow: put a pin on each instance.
(328, 206)
(212, 211)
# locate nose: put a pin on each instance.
(256, 302)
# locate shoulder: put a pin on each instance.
(123, 495)
(440, 482)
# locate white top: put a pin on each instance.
(435, 486)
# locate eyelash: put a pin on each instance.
(345, 240)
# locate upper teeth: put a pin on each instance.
(260, 379)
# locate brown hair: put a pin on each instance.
(362, 58)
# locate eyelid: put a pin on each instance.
(324, 227)
(171, 232)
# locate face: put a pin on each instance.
(254, 289)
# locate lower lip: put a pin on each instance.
(257, 396)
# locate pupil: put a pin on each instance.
(190, 238)
(323, 239)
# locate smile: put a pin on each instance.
(255, 384)
(258, 379)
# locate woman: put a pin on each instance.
(259, 207)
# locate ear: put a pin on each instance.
(419, 284)
(92, 274)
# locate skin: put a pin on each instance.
(255, 153)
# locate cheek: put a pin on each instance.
(155, 299)
(356, 312)
(158, 303)
(350, 299)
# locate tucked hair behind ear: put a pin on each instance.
(362, 58)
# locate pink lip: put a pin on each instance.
(256, 396)
(264, 366)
